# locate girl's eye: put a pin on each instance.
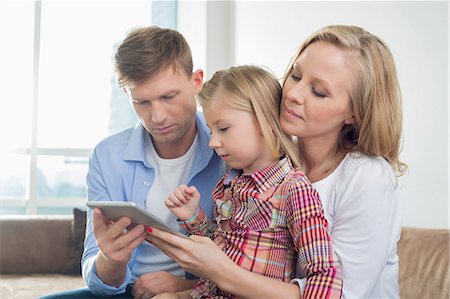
(223, 129)
(318, 94)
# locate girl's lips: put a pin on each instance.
(224, 157)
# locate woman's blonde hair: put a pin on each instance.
(375, 98)
(253, 89)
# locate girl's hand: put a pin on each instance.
(197, 255)
(184, 201)
(151, 284)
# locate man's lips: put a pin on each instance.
(163, 129)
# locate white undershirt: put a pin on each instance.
(169, 174)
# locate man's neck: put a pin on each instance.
(176, 149)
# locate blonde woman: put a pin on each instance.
(341, 99)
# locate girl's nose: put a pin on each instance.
(214, 142)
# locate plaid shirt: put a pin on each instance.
(271, 222)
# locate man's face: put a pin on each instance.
(165, 105)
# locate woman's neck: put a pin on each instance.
(319, 159)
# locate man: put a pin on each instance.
(168, 147)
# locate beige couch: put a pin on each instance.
(36, 251)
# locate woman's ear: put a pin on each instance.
(350, 120)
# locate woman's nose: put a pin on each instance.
(296, 93)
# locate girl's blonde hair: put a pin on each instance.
(253, 89)
(375, 97)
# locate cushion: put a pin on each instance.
(73, 265)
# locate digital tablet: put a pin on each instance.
(117, 209)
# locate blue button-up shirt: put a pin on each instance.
(119, 171)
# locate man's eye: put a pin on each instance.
(141, 102)
(168, 97)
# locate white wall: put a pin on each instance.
(269, 32)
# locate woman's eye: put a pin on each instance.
(318, 93)
(223, 129)
(295, 77)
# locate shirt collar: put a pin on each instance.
(265, 178)
(271, 175)
(136, 146)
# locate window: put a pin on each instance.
(59, 97)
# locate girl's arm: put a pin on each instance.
(308, 228)
(200, 256)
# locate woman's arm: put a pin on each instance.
(366, 228)
(200, 256)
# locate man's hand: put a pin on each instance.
(151, 284)
(116, 245)
(184, 201)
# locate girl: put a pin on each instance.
(268, 218)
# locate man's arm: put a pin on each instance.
(110, 272)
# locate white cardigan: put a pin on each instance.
(362, 205)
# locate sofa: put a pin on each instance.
(41, 255)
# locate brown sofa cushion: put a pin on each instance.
(34, 244)
(424, 263)
(73, 265)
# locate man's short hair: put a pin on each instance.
(145, 51)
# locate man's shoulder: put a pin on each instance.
(119, 139)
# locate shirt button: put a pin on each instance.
(146, 184)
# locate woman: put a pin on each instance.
(341, 99)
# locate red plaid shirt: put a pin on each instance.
(271, 223)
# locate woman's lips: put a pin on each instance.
(291, 113)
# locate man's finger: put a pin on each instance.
(131, 239)
(119, 226)
(100, 222)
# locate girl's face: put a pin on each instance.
(236, 136)
(316, 101)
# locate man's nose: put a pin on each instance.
(158, 113)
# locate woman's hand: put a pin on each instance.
(197, 255)
(200, 256)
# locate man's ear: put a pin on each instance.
(197, 78)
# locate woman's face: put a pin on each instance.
(316, 101)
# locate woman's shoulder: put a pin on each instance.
(358, 166)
